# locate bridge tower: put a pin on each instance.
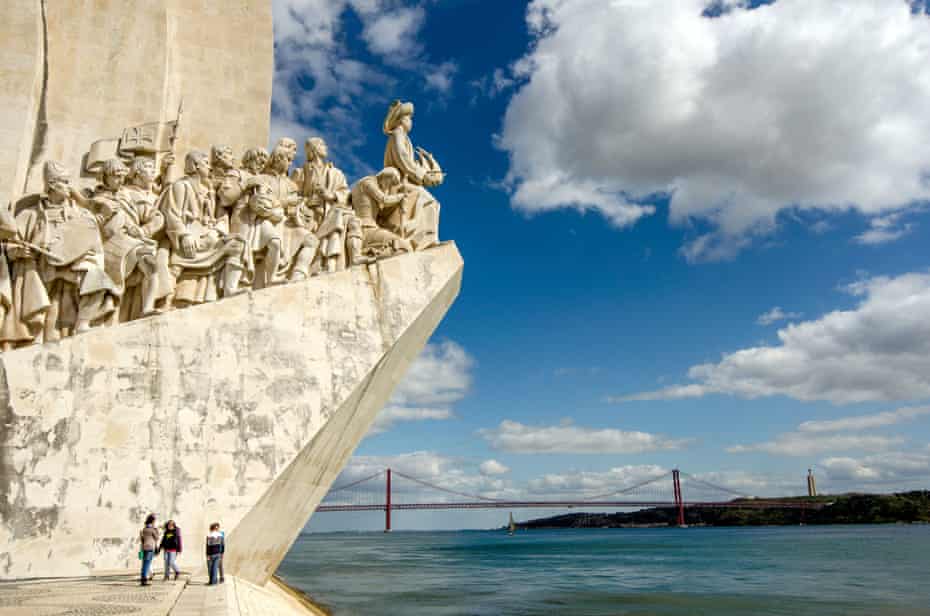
(679, 501)
(387, 503)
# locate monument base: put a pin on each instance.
(242, 411)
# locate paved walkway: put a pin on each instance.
(109, 594)
(119, 593)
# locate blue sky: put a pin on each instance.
(634, 187)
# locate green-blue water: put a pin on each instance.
(795, 571)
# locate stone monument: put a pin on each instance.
(183, 334)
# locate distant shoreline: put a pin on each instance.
(906, 507)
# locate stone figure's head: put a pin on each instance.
(113, 173)
(280, 159)
(197, 163)
(57, 181)
(290, 145)
(254, 160)
(316, 148)
(222, 157)
(388, 178)
(399, 114)
(142, 172)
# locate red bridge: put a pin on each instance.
(674, 489)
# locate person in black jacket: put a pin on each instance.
(172, 546)
(215, 547)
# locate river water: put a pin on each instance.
(792, 571)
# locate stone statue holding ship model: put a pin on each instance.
(137, 245)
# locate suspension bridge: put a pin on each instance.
(674, 489)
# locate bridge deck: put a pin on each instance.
(760, 504)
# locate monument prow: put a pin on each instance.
(241, 411)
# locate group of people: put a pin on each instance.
(153, 541)
(136, 245)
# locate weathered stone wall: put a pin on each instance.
(77, 71)
(22, 59)
(241, 411)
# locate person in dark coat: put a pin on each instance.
(216, 545)
(172, 547)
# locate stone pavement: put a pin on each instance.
(119, 593)
(106, 594)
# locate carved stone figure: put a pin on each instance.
(254, 160)
(60, 286)
(378, 201)
(221, 161)
(290, 145)
(234, 194)
(326, 192)
(298, 243)
(259, 220)
(203, 254)
(218, 230)
(417, 168)
(129, 251)
(141, 203)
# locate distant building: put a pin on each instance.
(811, 483)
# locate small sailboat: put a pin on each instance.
(511, 527)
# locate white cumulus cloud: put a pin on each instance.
(438, 378)
(865, 422)
(806, 104)
(394, 32)
(595, 483)
(808, 443)
(891, 466)
(879, 350)
(427, 466)
(884, 229)
(515, 437)
(493, 467)
(775, 315)
(321, 87)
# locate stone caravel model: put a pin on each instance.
(205, 343)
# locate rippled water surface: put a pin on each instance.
(795, 571)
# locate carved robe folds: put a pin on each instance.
(372, 205)
(140, 213)
(200, 245)
(298, 243)
(326, 191)
(420, 222)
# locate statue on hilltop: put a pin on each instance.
(137, 244)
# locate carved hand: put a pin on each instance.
(188, 247)
(276, 215)
(433, 178)
(19, 252)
